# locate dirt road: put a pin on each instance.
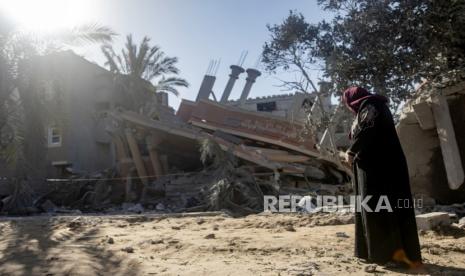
(271, 244)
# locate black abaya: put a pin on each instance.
(380, 169)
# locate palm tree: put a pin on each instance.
(144, 62)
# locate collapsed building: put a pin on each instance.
(98, 152)
(273, 149)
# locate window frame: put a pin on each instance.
(50, 136)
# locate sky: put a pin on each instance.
(195, 31)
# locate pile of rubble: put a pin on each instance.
(167, 159)
(94, 192)
(207, 157)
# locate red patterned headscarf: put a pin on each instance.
(354, 96)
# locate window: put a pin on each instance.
(268, 106)
(54, 136)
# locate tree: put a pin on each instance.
(293, 47)
(391, 46)
(386, 46)
(144, 62)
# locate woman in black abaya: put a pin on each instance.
(380, 172)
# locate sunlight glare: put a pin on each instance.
(47, 15)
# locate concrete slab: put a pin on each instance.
(429, 221)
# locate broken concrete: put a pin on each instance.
(430, 221)
(430, 137)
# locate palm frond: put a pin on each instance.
(144, 62)
(111, 58)
(142, 57)
(150, 58)
(130, 56)
(169, 85)
(164, 65)
(173, 81)
(85, 34)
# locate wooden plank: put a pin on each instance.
(449, 147)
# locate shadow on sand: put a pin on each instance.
(44, 245)
(431, 269)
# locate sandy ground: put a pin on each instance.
(267, 244)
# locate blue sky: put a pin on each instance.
(196, 31)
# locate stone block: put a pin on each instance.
(431, 220)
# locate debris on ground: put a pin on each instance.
(210, 236)
(341, 235)
(430, 221)
(128, 249)
(371, 268)
(255, 243)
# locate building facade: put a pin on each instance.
(77, 140)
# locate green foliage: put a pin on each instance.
(292, 47)
(390, 46)
(144, 62)
(386, 46)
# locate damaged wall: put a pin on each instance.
(419, 137)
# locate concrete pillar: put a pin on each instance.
(206, 88)
(164, 163)
(447, 140)
(235, 72)
(154, 156)
(122, 156)
(252, 75)
(163, 98)
(136, 157)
